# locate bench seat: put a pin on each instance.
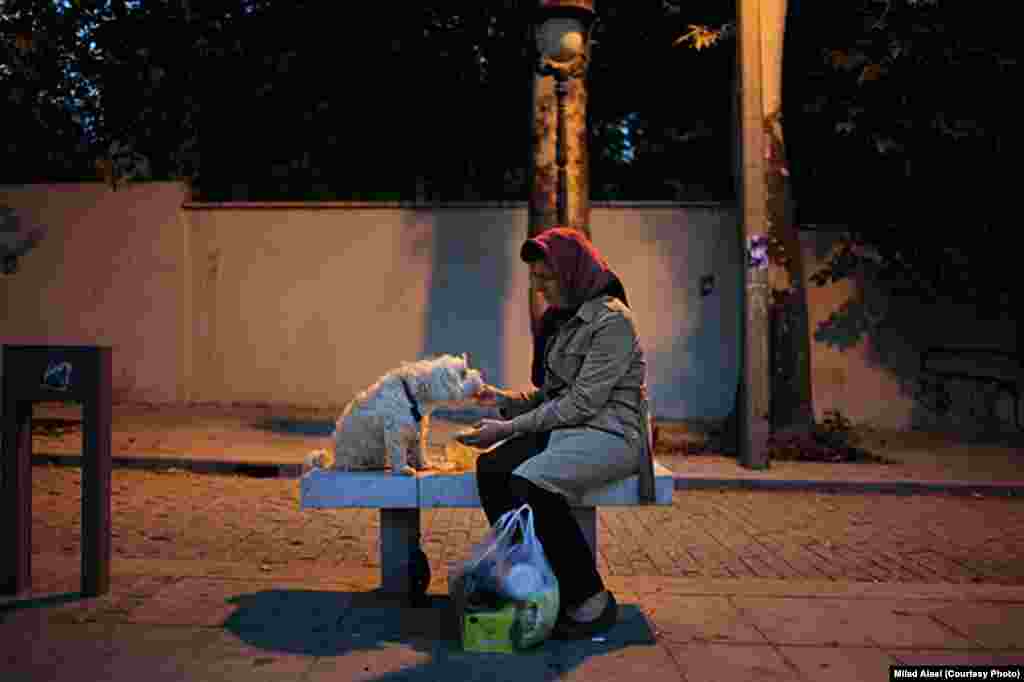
(400, 499)
(328, 489)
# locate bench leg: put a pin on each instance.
(587, 518)
(399, 536)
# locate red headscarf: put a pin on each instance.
(583, 274)
(582, 271)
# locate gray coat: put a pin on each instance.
(595, 378)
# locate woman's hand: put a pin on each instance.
(488, 395)
(487, 433)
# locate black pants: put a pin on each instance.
(560, 535)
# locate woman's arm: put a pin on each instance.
(509, 403)
(514, 403)
(606, 362)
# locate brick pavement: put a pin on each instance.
(707, 533)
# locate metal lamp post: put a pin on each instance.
(559, 186)
(559, 171)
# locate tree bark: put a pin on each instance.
(791, 398)
(790, 403)
(726, 440)
(754, 413)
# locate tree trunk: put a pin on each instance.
(755, 405)
(791, 406)
(726, 440)
(1018, 418)
(791, 399)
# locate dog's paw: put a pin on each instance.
(407, 471)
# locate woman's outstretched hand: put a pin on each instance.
(487, 432)
(488, 396)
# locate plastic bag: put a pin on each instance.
(509, 565)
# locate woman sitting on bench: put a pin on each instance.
(584, 428)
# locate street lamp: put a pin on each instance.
(562, 33)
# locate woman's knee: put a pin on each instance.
(526, 491)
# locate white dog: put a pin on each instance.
(385, 426)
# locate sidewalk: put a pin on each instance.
(273, 442)
(185, 620)
(177, 618)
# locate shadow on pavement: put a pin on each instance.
(334, 625)
(9, 605)
(319, 428)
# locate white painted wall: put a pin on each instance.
(308, 304)
(363, 290)
(108, 272)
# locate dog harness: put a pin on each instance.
(412, 403)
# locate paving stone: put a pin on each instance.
(993, 626)
(233, 519)
(243, 606)
(372, 664)
(710, 662)
(191, 601)
(648, 663)
(222, 655)
(58, 652)
(711, 619)
(839, 664)
(845, 622)
(226, 577)
(160, 652)
(947, 657)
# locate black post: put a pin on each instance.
(35, 374)
(561, 153)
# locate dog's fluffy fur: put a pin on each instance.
(377, 429)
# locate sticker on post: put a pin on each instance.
(57, 376)
(707, 285)
(757, 251)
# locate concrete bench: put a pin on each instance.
(400, 499)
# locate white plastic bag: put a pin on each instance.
(511, 566)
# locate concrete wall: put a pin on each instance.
(870, 373)
(108, 272)
(307, 304)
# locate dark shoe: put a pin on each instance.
(419, 573)
(567, 628)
